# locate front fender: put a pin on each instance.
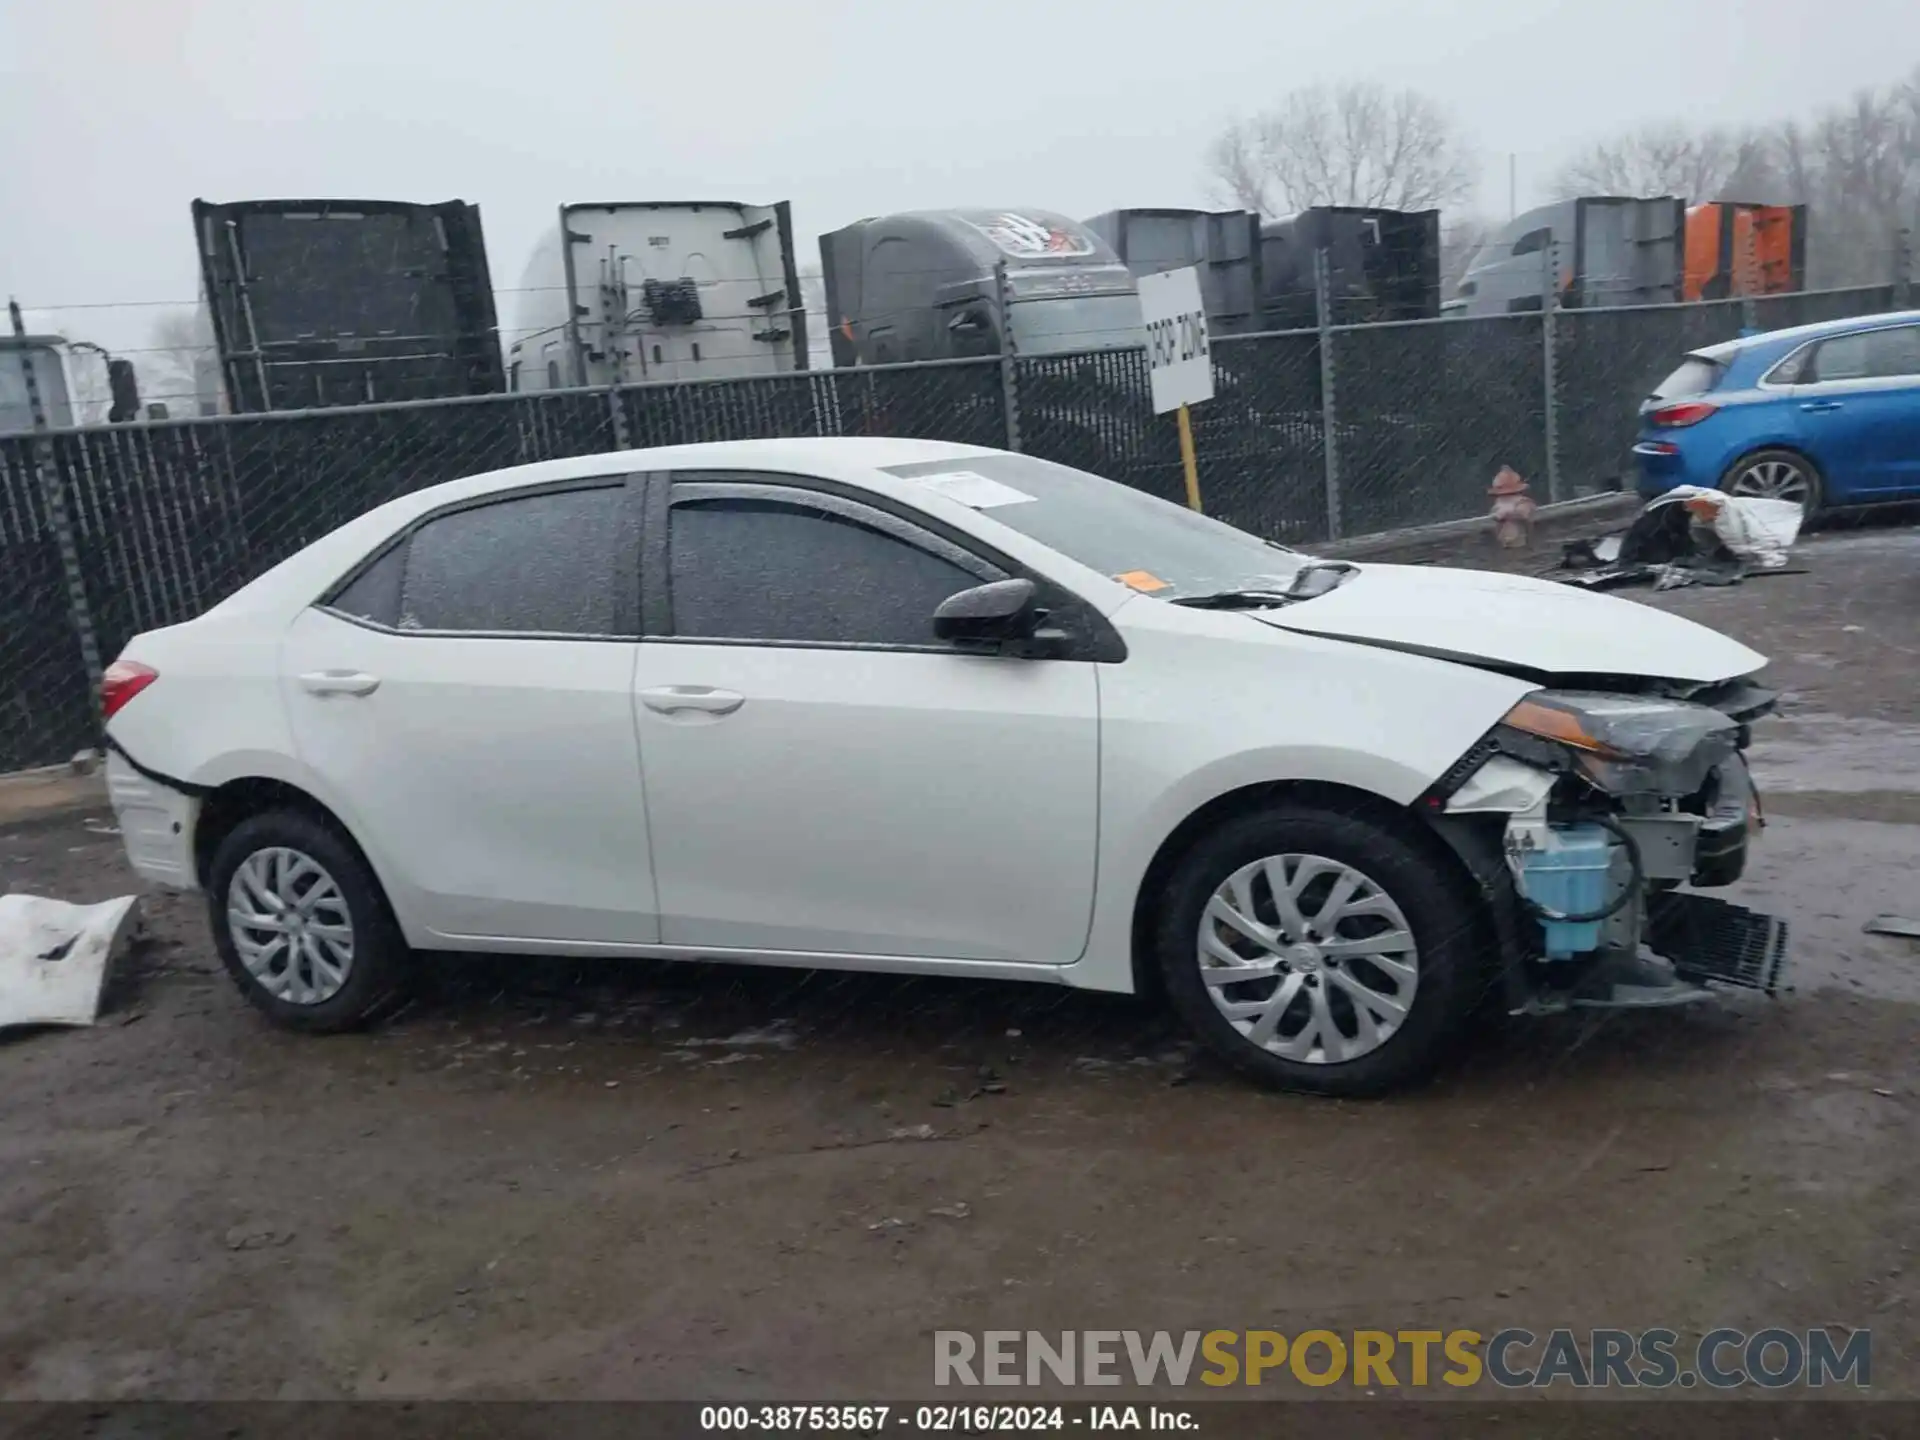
(1222, 702)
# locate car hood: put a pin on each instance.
(1509, 621)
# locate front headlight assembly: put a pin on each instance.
(1623, 744)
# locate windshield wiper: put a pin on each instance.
(1237, 600)
(1310, 581)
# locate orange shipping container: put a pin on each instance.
(1738, 249)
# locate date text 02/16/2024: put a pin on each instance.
(942, 1419)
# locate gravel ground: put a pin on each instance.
(557, 1179)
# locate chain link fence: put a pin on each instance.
(1605, 363)
(1429, 411)
(1311, 435)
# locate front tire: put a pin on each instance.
(1318, 951)
(302, 924)
(1776, 475)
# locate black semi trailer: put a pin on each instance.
(317, 303)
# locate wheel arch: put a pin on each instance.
(1793, 447)
(226, 806)
(1245, 799)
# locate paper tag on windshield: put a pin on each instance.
(974, 490)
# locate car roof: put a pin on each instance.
(1799, 334)
(852, 459)
(849, 457)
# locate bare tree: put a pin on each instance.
(1672, 160)
(813, 291)
(167, 366)
(1353, 144)
(1855, 166)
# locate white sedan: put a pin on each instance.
(925, 708)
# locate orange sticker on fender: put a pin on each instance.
(1142, 580)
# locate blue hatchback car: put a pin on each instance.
(1823, 414)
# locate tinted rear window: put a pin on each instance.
(1696, 376)
(556, 563)
(536, 564)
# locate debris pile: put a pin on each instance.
(1688, 536)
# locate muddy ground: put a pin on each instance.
(550, 1180)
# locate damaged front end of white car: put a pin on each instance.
(1592, 817)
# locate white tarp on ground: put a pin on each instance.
(54, 957)
(1759, 531)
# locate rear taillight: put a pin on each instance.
(1676, 417)
(120, 682)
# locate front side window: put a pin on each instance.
(1533, 242)
(1075, 322)
(771, 565)
(549, 564)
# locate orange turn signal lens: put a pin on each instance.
(1551, 724)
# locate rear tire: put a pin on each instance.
(302, 924)
(1776, 475)
(1360, 956)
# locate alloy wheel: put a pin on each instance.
(290, 925)
(1308, 958)
(1772, 479)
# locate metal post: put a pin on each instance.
(47, 472)
(617, 413)
(1550, 366)
(1748, 275)
(1329, 411)
(1902, 268)
(1188, 464)
(1009, 381)
(246, 313)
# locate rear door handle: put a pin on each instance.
(1813, 407)
(666, 699)
(340, 682)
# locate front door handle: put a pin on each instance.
(666, 699)
(1815, 407)
(340, 682)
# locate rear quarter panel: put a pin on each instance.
(1748, 420)
(216, 713)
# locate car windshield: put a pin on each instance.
(1157, 547)
(1076, 322)
(1696, 376)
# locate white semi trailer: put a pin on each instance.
(631, 291)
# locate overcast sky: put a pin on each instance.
(118, 113)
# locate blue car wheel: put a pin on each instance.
(1775, 475)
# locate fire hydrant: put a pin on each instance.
(1512, 512)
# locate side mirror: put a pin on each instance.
(990, 615)
(126, 392)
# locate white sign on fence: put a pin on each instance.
(1179, 365)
